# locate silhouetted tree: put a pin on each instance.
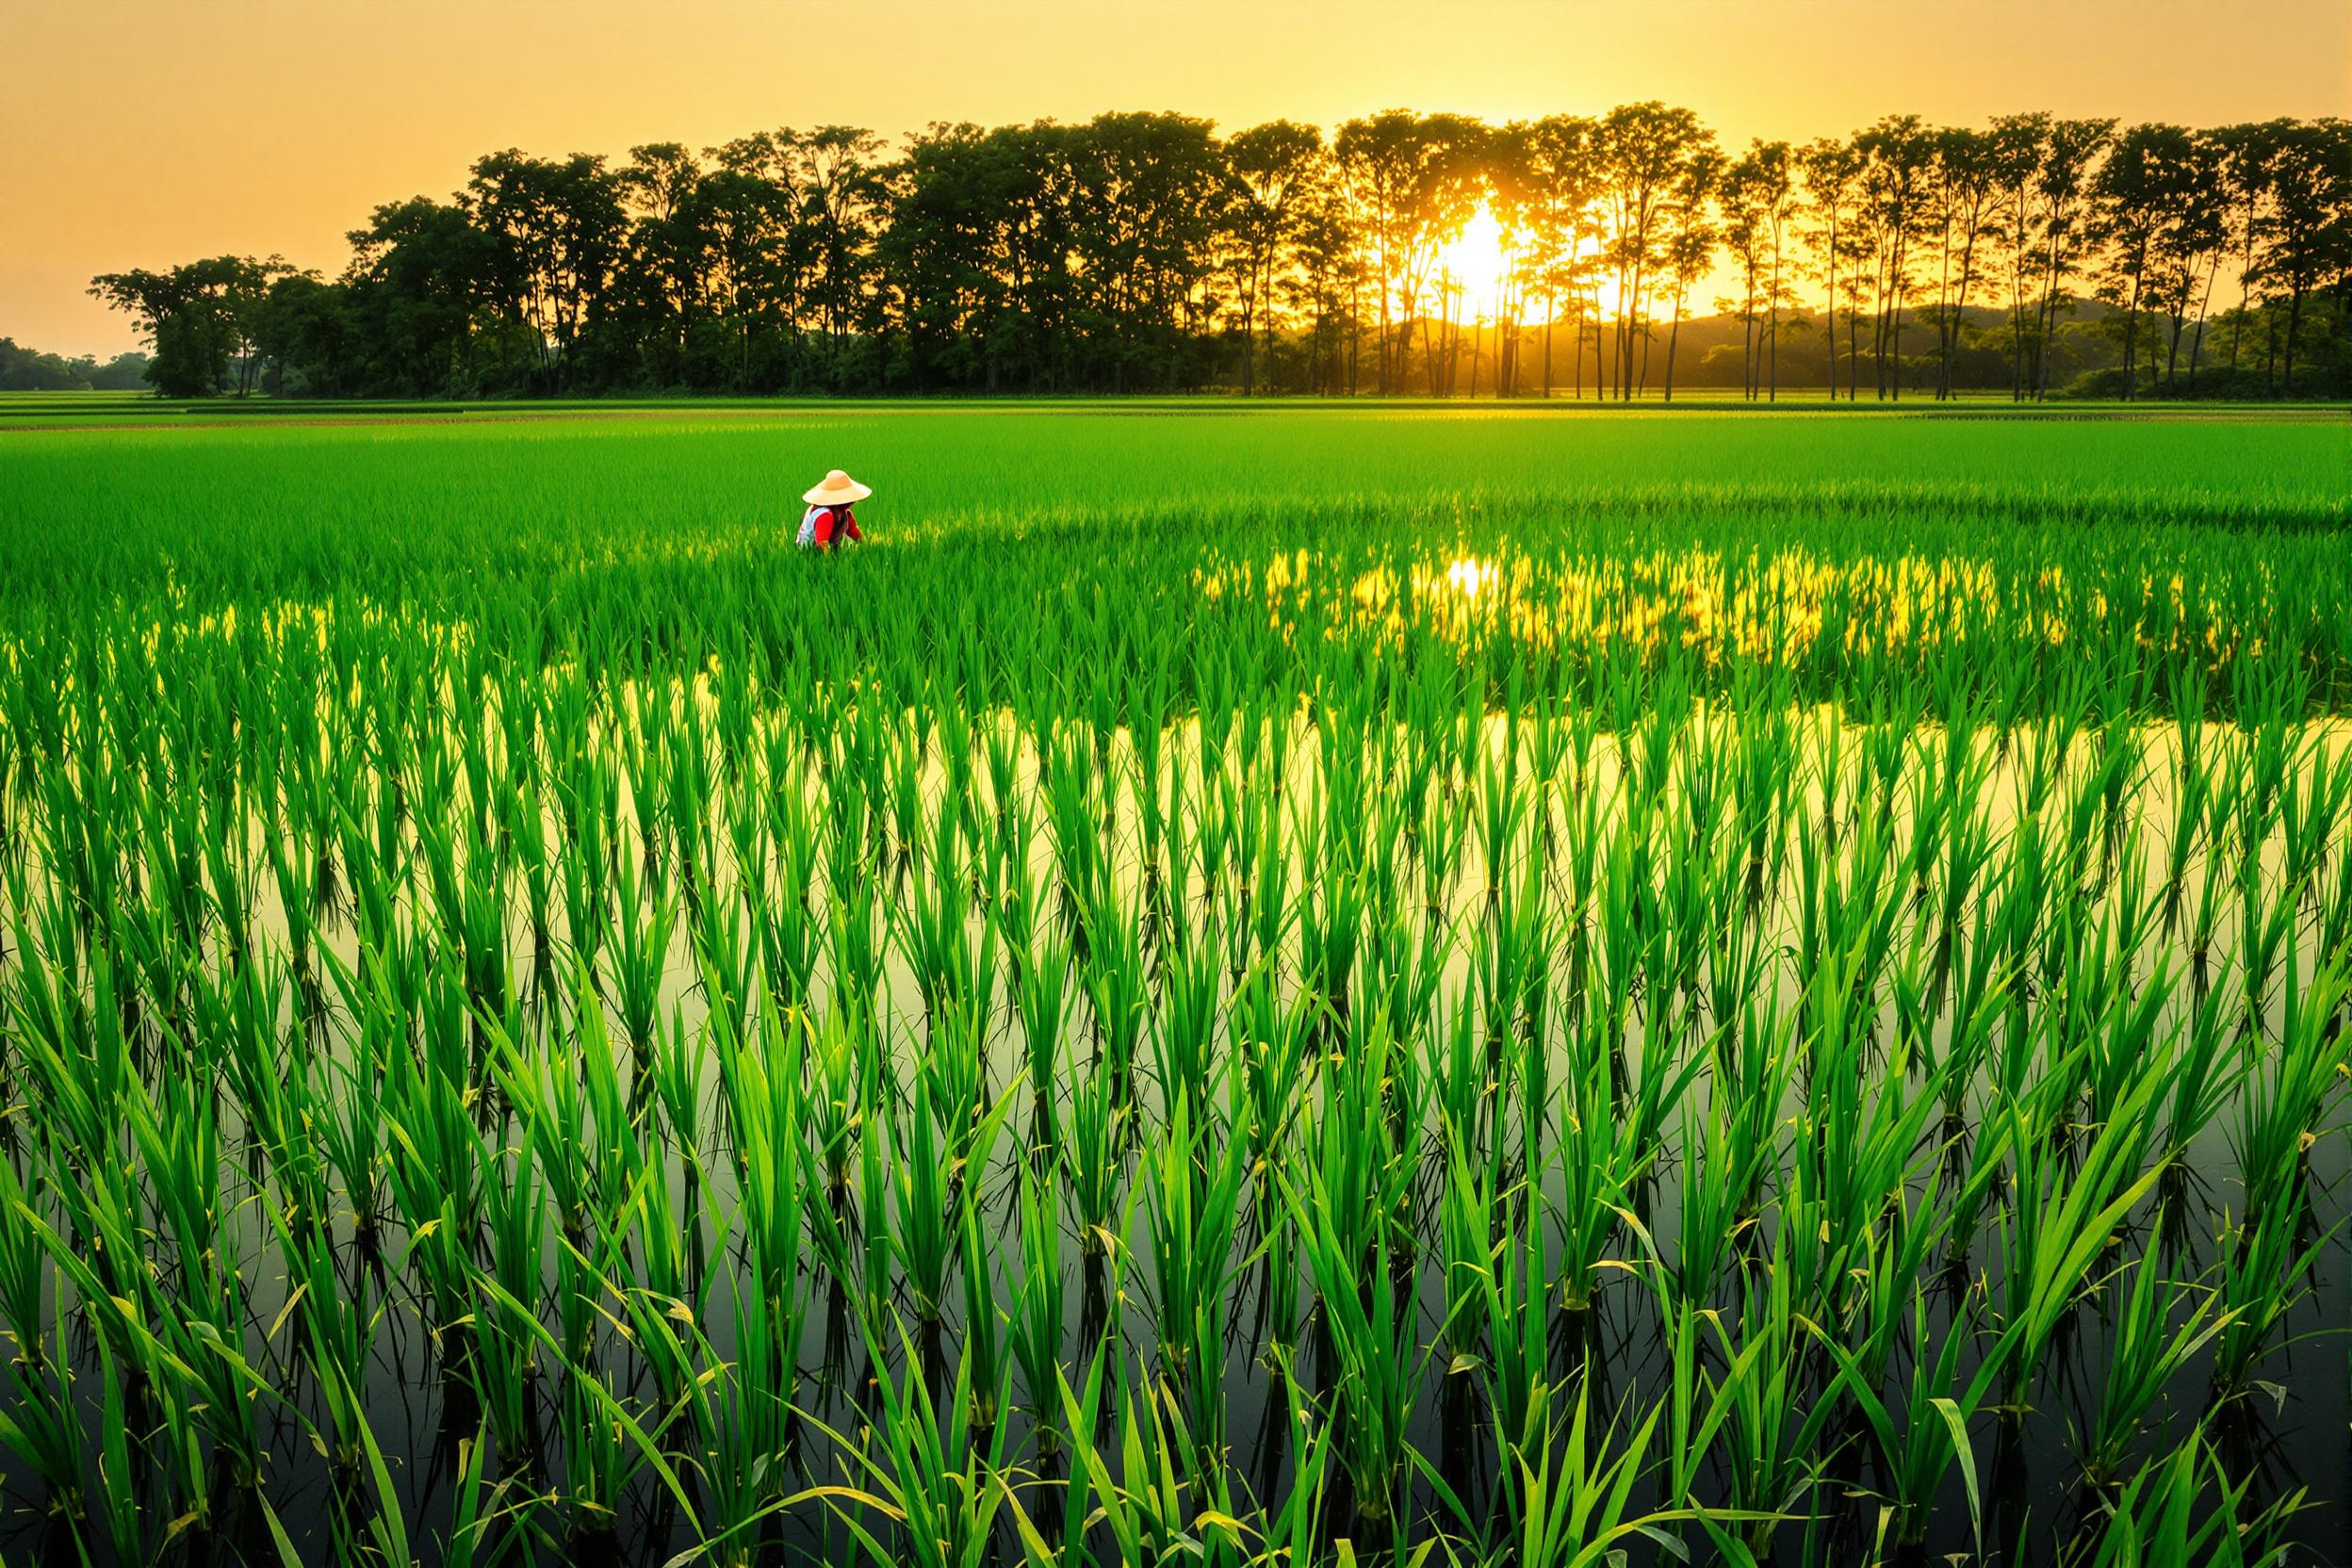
(1831, 169)
(1271, 174)
(201, 318)
(1644, 149)
(1963, 196)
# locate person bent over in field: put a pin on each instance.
(827, 523)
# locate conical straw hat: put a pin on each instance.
(839, 489)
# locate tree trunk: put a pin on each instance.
(2197, 344)
(1829, 317)
(1551, 325)
(1249, 343)
(2294, 320)
(1747, 345)
(1673, 335)
(2131, 335)
(1854, 350)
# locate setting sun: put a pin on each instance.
(1478, 261)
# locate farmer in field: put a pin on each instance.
(827, 522)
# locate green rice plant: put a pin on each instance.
(1511, 955)
(2065, 1209)
(1515, 1302)
(1602, 1160)
(923, 1229)
(983, 1330)
(337, 1329)
(1139, 1499)
(940, 1479)
(855, 952)
(1469, 1227)
(1183, 1032)
(1713, 1198)
(2281, 1116)
(2208, 1067)
(1271, 1041)
(2264, 1268)
(1864, 1121)
(2159, 1327)
(1112, 975)
(1570, 1502)
(477, 1505)
(743, 1413)
(931, 930)
(1194, 1201)
(41, 1430)
(1922, 1435)
(1093, 1156)
(640, 954)
(787, 932)
(1039, 1294)
(844, 1092)
(2186, 1508)
(1370, 1389)
(1042, 1000)
(604, 1442)
(1295, 1530)
(505, 1367)
(1766, 1416)
(124, 1522)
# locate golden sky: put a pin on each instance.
(146, 132)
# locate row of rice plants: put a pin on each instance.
(1305, 1072)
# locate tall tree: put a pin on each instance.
(1964, 193)
(742, 227)
(1831, 169)
(838, 177)
(1562, 183)
(2019, 145)
(1643, 150)
(1145, 212)
(1746, 234)
(2189, 250)
(1898, 154)
(2246, 154)
(557, 232)
(2062, 191)
(660, 289)
(1271, 174)
(1412, 180)
(2131, 199)
(1140, 251)
(203, 318)
(1775, 192)
(2307, 233)
(1691, 239)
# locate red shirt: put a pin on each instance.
(836, 522)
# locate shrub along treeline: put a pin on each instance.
(1142, 252)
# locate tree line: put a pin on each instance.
(1143, 253)
(24, 370)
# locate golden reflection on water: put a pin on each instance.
(1755, 608)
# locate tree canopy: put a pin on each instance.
(1143, 253)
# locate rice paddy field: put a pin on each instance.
(1240, 987)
